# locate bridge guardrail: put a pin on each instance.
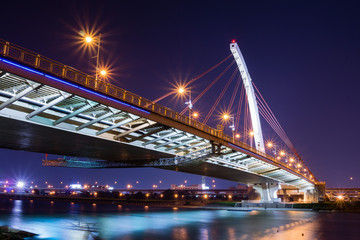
(58, 69)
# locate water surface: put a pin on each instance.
(64, 220)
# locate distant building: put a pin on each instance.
(184, 187)
(346, 194)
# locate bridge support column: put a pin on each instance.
(267, 191)
(314, 194)
(310, 194)
(216, 148)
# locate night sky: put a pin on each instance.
(302, 55)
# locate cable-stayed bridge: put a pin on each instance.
(46, 106)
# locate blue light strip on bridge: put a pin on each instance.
(73, 85)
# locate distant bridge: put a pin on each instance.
(46, 106)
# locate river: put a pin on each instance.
(72, 221)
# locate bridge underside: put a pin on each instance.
(20, 135)
(212, 170)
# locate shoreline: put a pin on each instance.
(187, 204)
(7, 232)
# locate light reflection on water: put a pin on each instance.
(63, 220)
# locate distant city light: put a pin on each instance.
(75, 186)
(20, 184)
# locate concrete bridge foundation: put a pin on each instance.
(267, 191)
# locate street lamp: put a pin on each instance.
(251, 135)
(271, 145)
(181, 90)
(97, 40)
(232, 126)
(103, 72)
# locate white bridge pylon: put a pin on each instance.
(254, 112)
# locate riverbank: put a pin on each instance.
(113, 201)
(338, 206)
(191, 204)
(8, 233)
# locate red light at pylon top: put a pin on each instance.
(233, 41)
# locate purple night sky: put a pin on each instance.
(302, 55)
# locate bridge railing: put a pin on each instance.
(58, 69)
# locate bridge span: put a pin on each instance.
(49, 107)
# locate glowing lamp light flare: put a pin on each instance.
(103, 72)
(237, 135)
(226, 116)
(195, 114)
(269, 144)
(88, 39)
(181, 90)
(282, 153)
(251, 133)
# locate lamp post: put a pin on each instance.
(270, 145)
(189, 104)
(251, 134)
(232, 126)
(97, 40)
